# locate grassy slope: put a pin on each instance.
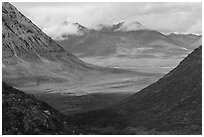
(23, 114)
(172, 105)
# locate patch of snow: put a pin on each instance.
(47, 111)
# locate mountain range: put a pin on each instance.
(186, 40)
(118, 40)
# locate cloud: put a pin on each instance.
(163, 17)
(58, 31)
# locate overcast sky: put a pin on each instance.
(163, 17)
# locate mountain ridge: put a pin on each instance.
(116, 43)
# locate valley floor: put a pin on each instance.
(98, 91)
(143, 64)
(94, 93)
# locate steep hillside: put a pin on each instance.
(23, 114)
(29, 55)
(172, 105)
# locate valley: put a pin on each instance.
(109, 80)
(38, 65)
(90, 93)
(112, 65)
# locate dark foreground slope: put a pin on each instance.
(172, 105)
(23, 114)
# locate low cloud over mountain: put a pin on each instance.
(163, 17)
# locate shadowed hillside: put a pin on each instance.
(172, 105)
(23, 114)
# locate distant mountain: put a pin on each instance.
(196, 44)
(131, 26)
(172, 105)
(23, 114)
(121, 26)
(80, 30)
(107, 28)
(128, 39)
(185, 40)
(140, 43)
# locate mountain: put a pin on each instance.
(121, 26)
(185, 40)
(30, 57)
(196, 44)
(172, 105)
(139, 43)
(131, 26)
(128, 38)
(80, 30)
(23, 114)
(107, 28)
